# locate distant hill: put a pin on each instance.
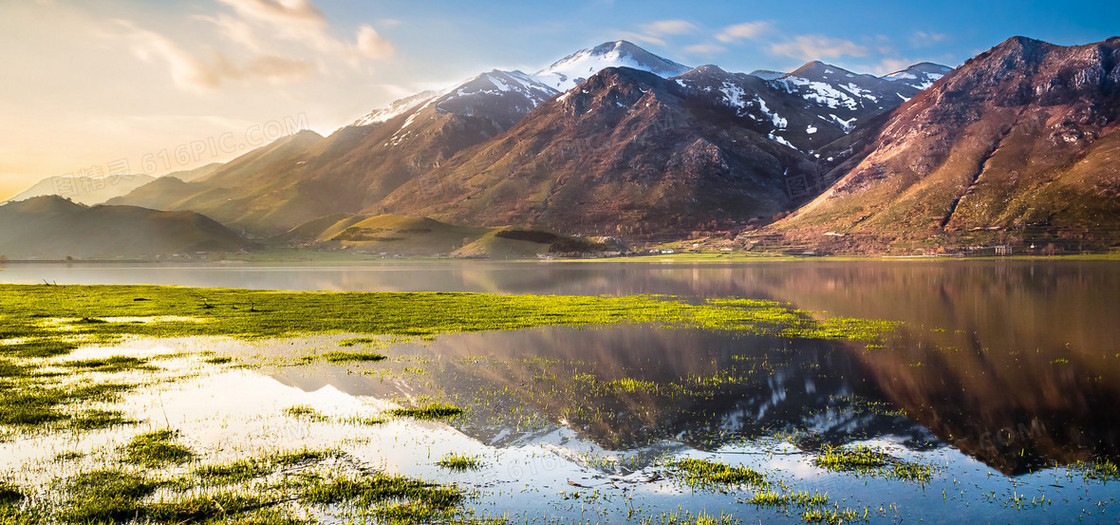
(51, 227)
(85, 190)
(412, 236)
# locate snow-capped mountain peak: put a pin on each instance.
(919, 76)
(569, 71)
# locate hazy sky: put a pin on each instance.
(105, 86)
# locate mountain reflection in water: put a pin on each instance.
(630, 387)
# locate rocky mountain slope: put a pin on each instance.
(1016, 147)
(626, 153)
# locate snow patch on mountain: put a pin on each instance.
(397, 108)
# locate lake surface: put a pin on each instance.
(1003, 375)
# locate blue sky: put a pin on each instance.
(99, 84)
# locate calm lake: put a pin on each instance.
(1003, 376)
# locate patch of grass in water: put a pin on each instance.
(109, 365)
(31, 404)
(806, 499)
(156, 449)
(1101, 469)
(203, 509)
(305, 412)
(459, 462)
(338, 357)
(96, 419)
(686, 518)
(233, 472)
(110, 495)
(769, 499)
(71, 455)
(631, 386)
(861, 458)
(429, 412)
(702, 473)
(373, 489)
(355, 341)
(302, 457)
(219, 360)
(833, 516)
(866, 460)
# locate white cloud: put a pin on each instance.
(641, 37)
(195, 73)
(279, 12)
(373, 45)
(274, 41)
(816, 47)
(744, 31)
(922, 39)
(704, 50)
(669, 27)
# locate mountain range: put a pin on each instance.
(609, 140)
(1013, 147)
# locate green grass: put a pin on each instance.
(459, 462)
(156, 449)
(255, 314)
(702, 473)
(430, 411)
